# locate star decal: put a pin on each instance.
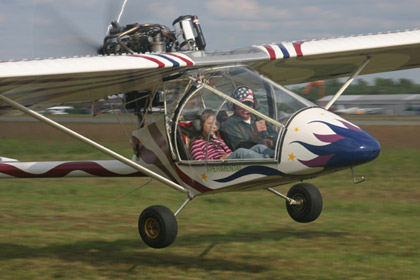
(296, 129)
(204, 176)
(292, 156)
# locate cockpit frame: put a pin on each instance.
(204, 81)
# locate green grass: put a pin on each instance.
(87, 228)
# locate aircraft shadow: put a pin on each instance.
(122, 252)
(134, 253)
(247, 236)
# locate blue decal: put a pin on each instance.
(261, 170)
(284, 51)
(176, 64)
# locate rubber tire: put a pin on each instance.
(312, 203)
(168, 226)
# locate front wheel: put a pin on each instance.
(158, 227)
(309, 203)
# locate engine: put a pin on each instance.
(155, 38)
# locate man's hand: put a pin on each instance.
(260, 126)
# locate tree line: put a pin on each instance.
(360, 86)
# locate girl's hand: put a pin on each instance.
(225, 156)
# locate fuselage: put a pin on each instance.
(308, 141)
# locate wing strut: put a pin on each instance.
(93, 144)
(346, 84)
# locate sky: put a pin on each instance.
(55, 28)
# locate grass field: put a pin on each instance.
(87, 228)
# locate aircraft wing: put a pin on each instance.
(307, 61)
(78, 79)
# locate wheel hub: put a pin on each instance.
(151, 228)
(300, 203)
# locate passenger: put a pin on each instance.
(215, 148)
(242, 129)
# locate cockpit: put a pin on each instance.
(203, 109)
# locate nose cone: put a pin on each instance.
(336, 143)
(355, 148)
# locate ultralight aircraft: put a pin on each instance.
(152, 67)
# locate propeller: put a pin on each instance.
(111, 10)
(67, 36)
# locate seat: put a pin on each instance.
(185, 134)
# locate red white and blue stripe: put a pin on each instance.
(284, 50)
(167, 59)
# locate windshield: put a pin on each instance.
(213, 119)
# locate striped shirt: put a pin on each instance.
(215, 149)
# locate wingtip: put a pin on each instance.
(5, 159)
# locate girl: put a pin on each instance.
(209, 146)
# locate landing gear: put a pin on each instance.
(308, 205)
(303, 202)
(158, 227)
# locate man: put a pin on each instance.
(243, 129)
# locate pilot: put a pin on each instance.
(243, 129)
(209, 143)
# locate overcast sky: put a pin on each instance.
(55, 28)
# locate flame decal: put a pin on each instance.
(350, 126)
(319, 161)
(349, 146)
(328, 138)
